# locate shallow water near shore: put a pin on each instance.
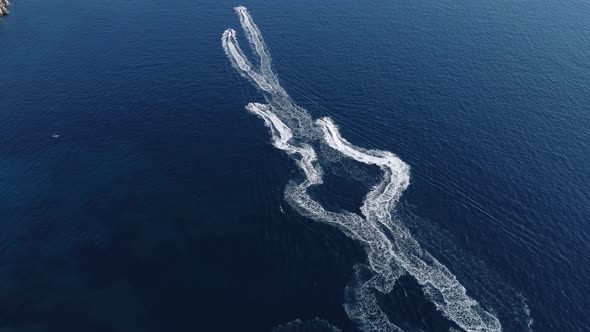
(161, 204)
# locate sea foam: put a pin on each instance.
(391, 249)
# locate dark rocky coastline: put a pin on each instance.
(4, 4)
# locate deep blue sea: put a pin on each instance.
(161, 205)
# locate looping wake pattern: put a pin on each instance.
(391, 250)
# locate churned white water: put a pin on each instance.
(391, 249)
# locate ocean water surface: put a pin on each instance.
(166, 205)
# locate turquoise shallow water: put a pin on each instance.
(160, 206)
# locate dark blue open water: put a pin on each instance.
(160, 207)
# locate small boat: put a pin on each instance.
(55, 135)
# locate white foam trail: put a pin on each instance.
(281, 136)
(362, 306)
(438, 282)
(265, 79)
(391, 249)
(306, 159)
(256, 41)
(241, 62)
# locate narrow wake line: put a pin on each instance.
(391, 249)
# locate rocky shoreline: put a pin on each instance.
(4, 4)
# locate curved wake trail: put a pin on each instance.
(391, 249)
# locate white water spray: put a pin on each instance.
(391, 249)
